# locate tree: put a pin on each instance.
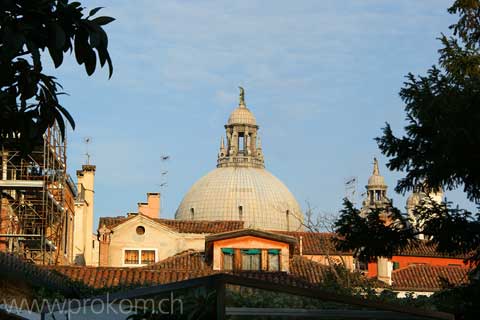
(440, 149)
(29, 101)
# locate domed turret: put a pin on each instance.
(376, 180)
(240, 188)
(413, 200)
(242, 115)
(376, 190)
(421, 196)
(243, 144)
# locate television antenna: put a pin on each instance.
(87, 141)
(350, 184)
(164, 159)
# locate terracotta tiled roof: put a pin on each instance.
(189, 260)
(427, 277)
(424, 248)
(309, 270)
(314, 243)
(107, 277)
(186, 226)
(181, 226)
(96, 277)
(184, 266)
(112, 222)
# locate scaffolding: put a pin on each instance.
(32, 190)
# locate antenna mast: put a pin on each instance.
(87, 141)
(163, 173)
(351, 189)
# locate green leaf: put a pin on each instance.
(94, 39)
(110, 66)
(94, 11)
(90, 60)
(75, 4)
(67, 115)
(60, 36)
(80, 43)
(57, 56)
(103, 20)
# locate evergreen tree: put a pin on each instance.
(441, 149)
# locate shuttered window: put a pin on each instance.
(228, 258)
(251, 259)
(273, 260)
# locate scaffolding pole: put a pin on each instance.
(32, 194)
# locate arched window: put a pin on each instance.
(192, 213)
(240, 213)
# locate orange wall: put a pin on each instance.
(250, 242)
(405, 261)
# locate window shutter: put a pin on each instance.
(251, 251)
(227, 251)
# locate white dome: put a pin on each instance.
(253, 195)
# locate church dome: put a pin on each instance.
(242, 115)
(240, 188)
(253, 195)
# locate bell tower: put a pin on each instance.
(243, 148)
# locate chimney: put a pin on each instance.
(385, 268)
(104, 238)
(86, 178)
(152, 207)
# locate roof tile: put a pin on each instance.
(427, 277)
(181, 226)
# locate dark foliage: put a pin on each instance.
(29, 101)
(461, 301)
(442, 138)
(440, 149)
(368, 235)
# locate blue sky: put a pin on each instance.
(322, 78)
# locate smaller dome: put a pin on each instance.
(413, 200)
(376, 180)
(242, 115)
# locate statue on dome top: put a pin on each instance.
(242, 96)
